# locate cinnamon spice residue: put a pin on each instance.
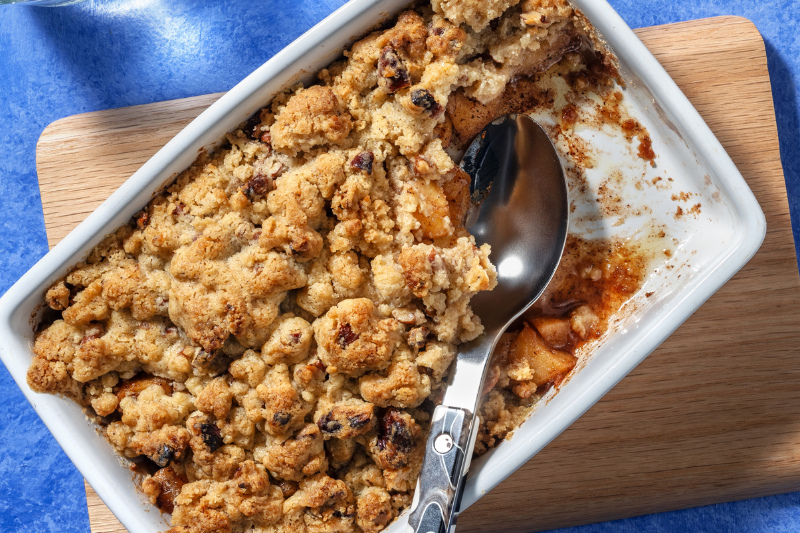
(602, 274)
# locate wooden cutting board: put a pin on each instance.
(713, 415)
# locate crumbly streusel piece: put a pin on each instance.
(320, 504)
(294, 458)
(247, 499)
(353, 338)
(476, 13)
(313, 117)
(374, 509)
(345, 419)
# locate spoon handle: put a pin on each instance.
(444, 470)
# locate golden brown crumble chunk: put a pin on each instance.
(353, 338)
(476, 13)
(313, 117)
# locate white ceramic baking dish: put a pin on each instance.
(707, 251)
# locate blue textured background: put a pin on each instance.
(55, 62)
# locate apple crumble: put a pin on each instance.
(268, 337)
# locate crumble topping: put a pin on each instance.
(268, 337)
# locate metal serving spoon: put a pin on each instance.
(520, 207)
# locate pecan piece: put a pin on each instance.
(421, 165)
(179, 210)
(140, 382)
(288, 487)
(392, 73)
(142, 218)
(408, 315)
(304, 243)
(204, 359)
(425, 370)
(94, 331)
(418, 337)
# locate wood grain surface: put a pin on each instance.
(713, 415)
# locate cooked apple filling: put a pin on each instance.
(267, 338)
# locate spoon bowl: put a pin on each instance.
(521, 209)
